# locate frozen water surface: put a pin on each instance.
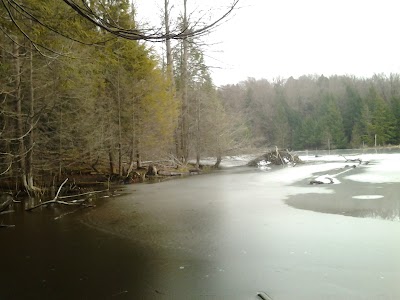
(239, 231)
(227, 235)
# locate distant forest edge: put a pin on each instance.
(318, 112)
(105, 105)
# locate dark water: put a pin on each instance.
(226, 235)
(43, 258)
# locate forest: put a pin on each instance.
(76, 99)
(318, 112)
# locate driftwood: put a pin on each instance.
(320, 182)
(6, 226)
(353, 160)
(82, 194)
(176, 160)
(5, 204)
(55, 200)
(276, 157)
(194, 171)
(172, 173)
(3, 211)
(263, 296)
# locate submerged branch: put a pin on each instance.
(7, 212)
(6, 226)
(70, 203)
(4, 205)
(82, 194)
(55, 200)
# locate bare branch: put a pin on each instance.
(8, 168)
(107, 24)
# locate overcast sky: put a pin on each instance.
(283, 38)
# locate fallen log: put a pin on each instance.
(7, 212)
(6, 226)
(171, 173)
(82, 194)
(71, 203)
(76, 202)
(321, 182)
(352, 160)
(5, 204)
(55, 200)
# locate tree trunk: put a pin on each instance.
(120, 171)
(170, 70)
(218, 162)
(111, 161)
(136, 137)
(198, 137)
(29, 158)
(60, 154)
(184, 133)
(170, 63)
(18, 118)
(138, 156)
(131, 161)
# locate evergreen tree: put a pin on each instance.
(383, 123)
(332, 124)
(352, 110)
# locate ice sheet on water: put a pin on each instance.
(383, 168)
(367, 197)
(323, 158)
(302, 172)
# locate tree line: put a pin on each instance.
(318, 112)
(75, 98)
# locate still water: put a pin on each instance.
(226, 235)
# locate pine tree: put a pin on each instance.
(332, 124)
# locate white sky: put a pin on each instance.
(267, 39)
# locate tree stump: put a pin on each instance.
(151, 171)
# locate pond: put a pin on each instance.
(226, 235)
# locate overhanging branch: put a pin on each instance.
(83, 9)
